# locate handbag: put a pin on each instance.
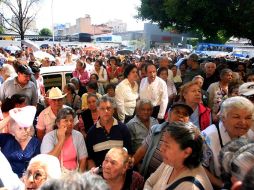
(189, 179)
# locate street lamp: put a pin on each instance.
(52, 16)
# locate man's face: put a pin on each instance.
(144, 112)
(210, 68)
(23, 78)
(106, 111)
(151, 73)
(178, 113)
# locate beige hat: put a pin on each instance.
(55, 93)
(246, 89)
(24, 117)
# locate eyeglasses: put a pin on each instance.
(37, 176)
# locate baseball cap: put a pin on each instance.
(24, 69)
(246, 89)
(193, 57)
(182, 104)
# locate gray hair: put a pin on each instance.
(106, 99)
(197, 76)
(209, 63)
(8, 70)
(50, 163)
(225, 71)
(236, 157)
(142, 102)
(237, 102)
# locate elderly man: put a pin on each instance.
(47, 117)
(140, 125)
(194, 68)
(20, 85)
(210, 75)
(150, 148)
(155, 89)
(107, 133)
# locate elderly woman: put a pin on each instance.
(181, 169)
(127, 94)
(236, 159)
(236, 118)
(190, 93)
(19, 147)
(72, 99)
(116, 172)
(66, 144)
(41, 168)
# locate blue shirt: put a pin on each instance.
(17, 157)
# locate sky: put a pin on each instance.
(100, 11)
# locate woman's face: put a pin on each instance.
(35, 176)
(91, 103)
(192, 94)
(97, 66)
(67, 122)
(171, 152)
(133, 75)
(93, 78)
(111, 92)
(113, 166)
(164, 75)
(174, 71)
(21, 133)
(237, 122)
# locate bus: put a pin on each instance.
(7, 38)
(213, 49)
(108, 38)
(80, 37)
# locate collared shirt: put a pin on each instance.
(11, 87)
(99, 141)
(139, 131)
(126, 98)
(82, 75)
(156, 92)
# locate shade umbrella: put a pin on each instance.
(124, 52)
(30, 44)
(12, 49)
(91, 48)
(43, 55)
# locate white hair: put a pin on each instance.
(50, 163)
(8, 71)
(237, 102)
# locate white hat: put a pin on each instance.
(24, 117)
(55, 93)
(246, 89)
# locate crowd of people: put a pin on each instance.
(137, 121)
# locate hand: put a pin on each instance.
(61, 133)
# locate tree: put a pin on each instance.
(45, 32)
(215, 20)
(23, 13)
(1, 30)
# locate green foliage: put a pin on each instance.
(45, 32)
(215, 20)
(1, 30)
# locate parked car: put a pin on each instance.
(56, 76)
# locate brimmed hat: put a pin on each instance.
(24, 117)
(182, 104)
(246, 89)
(193, 57)
(24, 69)
(55, 93)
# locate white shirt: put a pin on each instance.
(9, 179)
(126, 97)
(157, 92)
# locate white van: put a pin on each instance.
(56, 76)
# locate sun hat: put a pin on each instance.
(55, 93)
(24, 69)
(246, 89)
(193, 57)
(182, 104)
(24, 117)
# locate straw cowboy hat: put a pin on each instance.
(55, 93)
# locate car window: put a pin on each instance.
(53, 80)
(68, 76)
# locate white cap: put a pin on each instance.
(24, 117)
(246, 89)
